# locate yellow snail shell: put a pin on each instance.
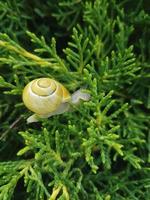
(46, 97)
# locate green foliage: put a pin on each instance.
(13, 18)
(101, 149)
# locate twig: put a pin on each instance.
(10, 127)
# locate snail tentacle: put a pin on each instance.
(79, 95)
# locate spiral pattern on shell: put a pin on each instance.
(44, 95)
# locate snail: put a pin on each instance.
(47, 97)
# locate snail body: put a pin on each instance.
(47, 97)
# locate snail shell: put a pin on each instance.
(47, 97)
(44, 95)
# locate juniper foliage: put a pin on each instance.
(100, 150)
